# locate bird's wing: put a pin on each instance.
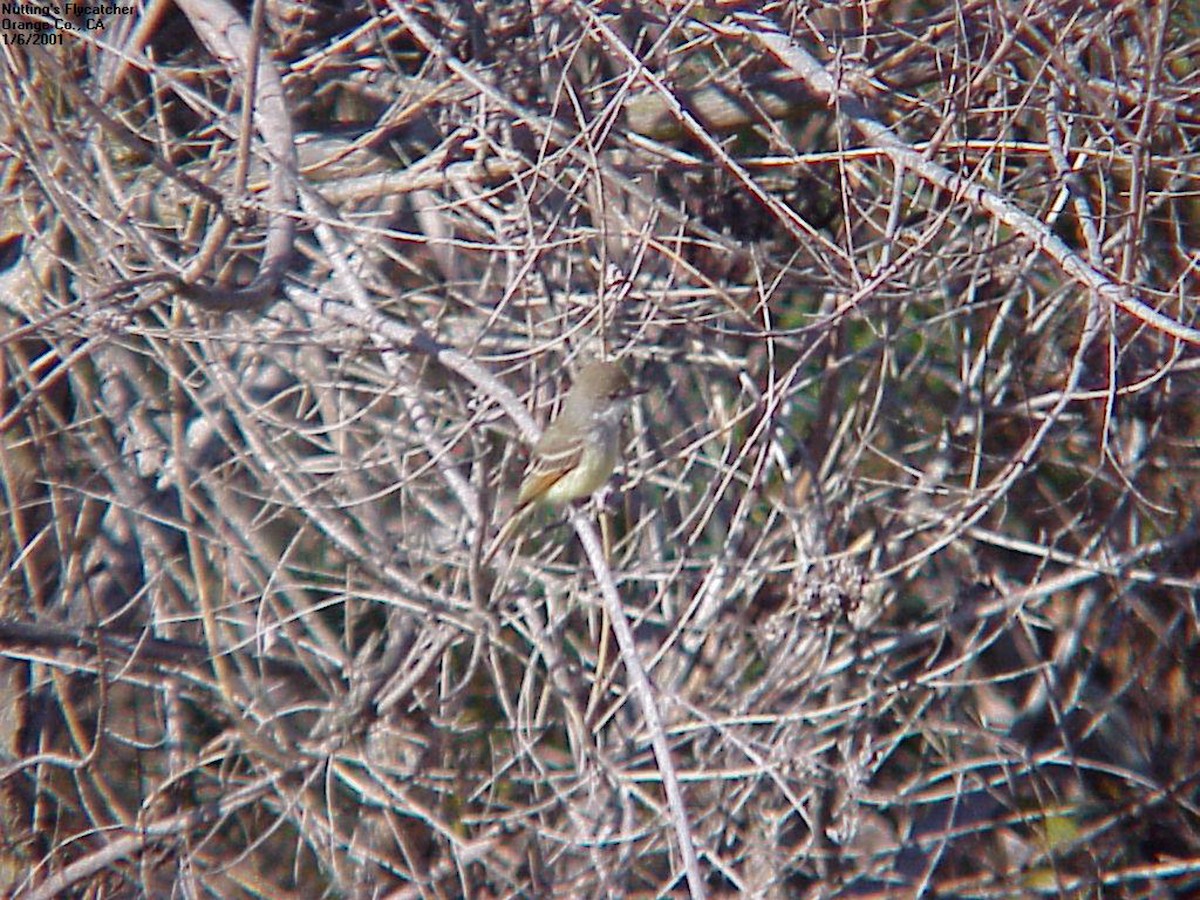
(553, 458)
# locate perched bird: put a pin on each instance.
(579, 449)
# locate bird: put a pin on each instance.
(578, 451)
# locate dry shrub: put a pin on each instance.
(906, 530)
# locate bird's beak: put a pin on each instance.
(632, 391)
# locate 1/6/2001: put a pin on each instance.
(21, 39)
